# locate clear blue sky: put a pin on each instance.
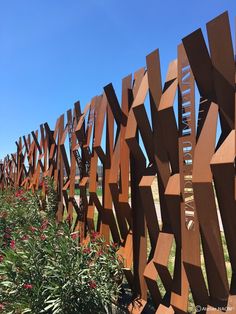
(55, 52)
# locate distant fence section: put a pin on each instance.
(135, 145)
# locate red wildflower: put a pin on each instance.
(32, 229)
(86, 250)
(99, 253)
(43, 237)
(7, 236)
(74, 235)
(23, 199)
(19, 193)
(25, 237)
(94, 235)
(69, 218)
(44, 225)
(12, 244)
(2, 307)
(92, 284)
(27, 286)
(114, 245)
(1, 258)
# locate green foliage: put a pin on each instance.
(45, 269)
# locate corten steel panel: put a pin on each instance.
(223, 166)
(137, 166)
(158, 267)
(222, 56)
(60, 171)
(108, 223)
(202, 177)
(72, 204)
(165, 138)
(204, 198)
(93, 165)
(119, 174)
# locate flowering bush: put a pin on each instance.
(45, 269)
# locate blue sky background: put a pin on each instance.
(55, 52)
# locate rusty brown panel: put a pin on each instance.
(95, 104)
(35, 137)
(179, 289)
(72, 201)
(80, 128)
(137, 164)
(149, 206)
(44, 144)
(222, 56)
(91, 117)
(201, 64)
(204, 198)
(131, 128)
(63, 151)
(118, 114)
(164, 138)
(158, 267)
(60, 171)
(155, 84)
(162, 309)
(82, 161)
(166, 113)
(222, 165)
(142, 118)
(119, 185)
(108, 223)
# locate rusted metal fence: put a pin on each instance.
(135, 146)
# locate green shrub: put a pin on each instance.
(45, 269)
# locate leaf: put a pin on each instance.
(26, 311)
(6, 283)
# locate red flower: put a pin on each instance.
(69, 218)
(74, 235)
(44, 225)
(92, 284)
(12, 244)
(25, 237)
(94, 235)
(23, 199)
(32, 229)
(27, 286)
(2, 307)
(86, 250)
(114, 245)
(99, 253)
(43, 237)
(7, 236)
(1, 258)
(19, 193)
